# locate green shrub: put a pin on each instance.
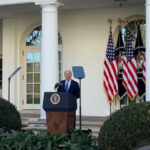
(43, 140)
(15, 121)
(127, 128)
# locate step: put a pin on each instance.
(30, 113)
(32, 121)
(41, 125)
(40, 122)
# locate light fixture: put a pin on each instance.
(120, 2)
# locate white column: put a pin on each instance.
(147, 50)
(49, 49)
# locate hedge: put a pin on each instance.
(9, 115)
(43, 140)
(127, 128)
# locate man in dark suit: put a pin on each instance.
(70, 86)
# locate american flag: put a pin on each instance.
(110, 71)
(144, 71)
(130, 70)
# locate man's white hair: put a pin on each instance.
(67, 71)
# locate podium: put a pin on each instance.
(60, 110)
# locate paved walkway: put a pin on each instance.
(145, 148)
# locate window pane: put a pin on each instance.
(124, 101)
(37, 78)
(59, 55)
(37, 57)
(59, 66)
(36, 67)
(29, 78)
(59, 39)
(36, 99)
(0, 74)
(30, 67)
(29, 99)
(59, 76)
(29, 57)
(34, 38)
(1, 65)
(29, 88)
(36, 88)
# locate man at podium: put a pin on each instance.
(69, 85)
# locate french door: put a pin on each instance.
(31, 78)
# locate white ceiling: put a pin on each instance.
(8, 11)
(73, 4)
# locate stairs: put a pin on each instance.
(30, 120)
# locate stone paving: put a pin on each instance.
(145, 148)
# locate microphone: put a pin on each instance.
(57, 85)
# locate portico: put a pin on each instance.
(84, 30)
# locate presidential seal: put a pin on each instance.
(55, 99)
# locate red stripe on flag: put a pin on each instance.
(106, 90)
(109, 86)
(131, 84)
(110, 75)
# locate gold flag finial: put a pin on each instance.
(120, 20)
(126, 20)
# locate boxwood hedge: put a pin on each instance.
(9, 115)
(127, 128)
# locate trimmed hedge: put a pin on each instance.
(15, 120)
(43, 140)
(127, 128)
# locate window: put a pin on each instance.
(34, 39)
(33, 77)
(131, 25)
(33, 54)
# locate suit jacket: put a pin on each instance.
(73, 89)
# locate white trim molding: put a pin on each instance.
(14, 2)
(44, 3)
(37, 2)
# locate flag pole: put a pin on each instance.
(119, 21)
(110, 23)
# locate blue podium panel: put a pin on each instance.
(59, 101)
(78, 72)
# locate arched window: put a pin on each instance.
(34, 39)
(131, 25)
(31, 67)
